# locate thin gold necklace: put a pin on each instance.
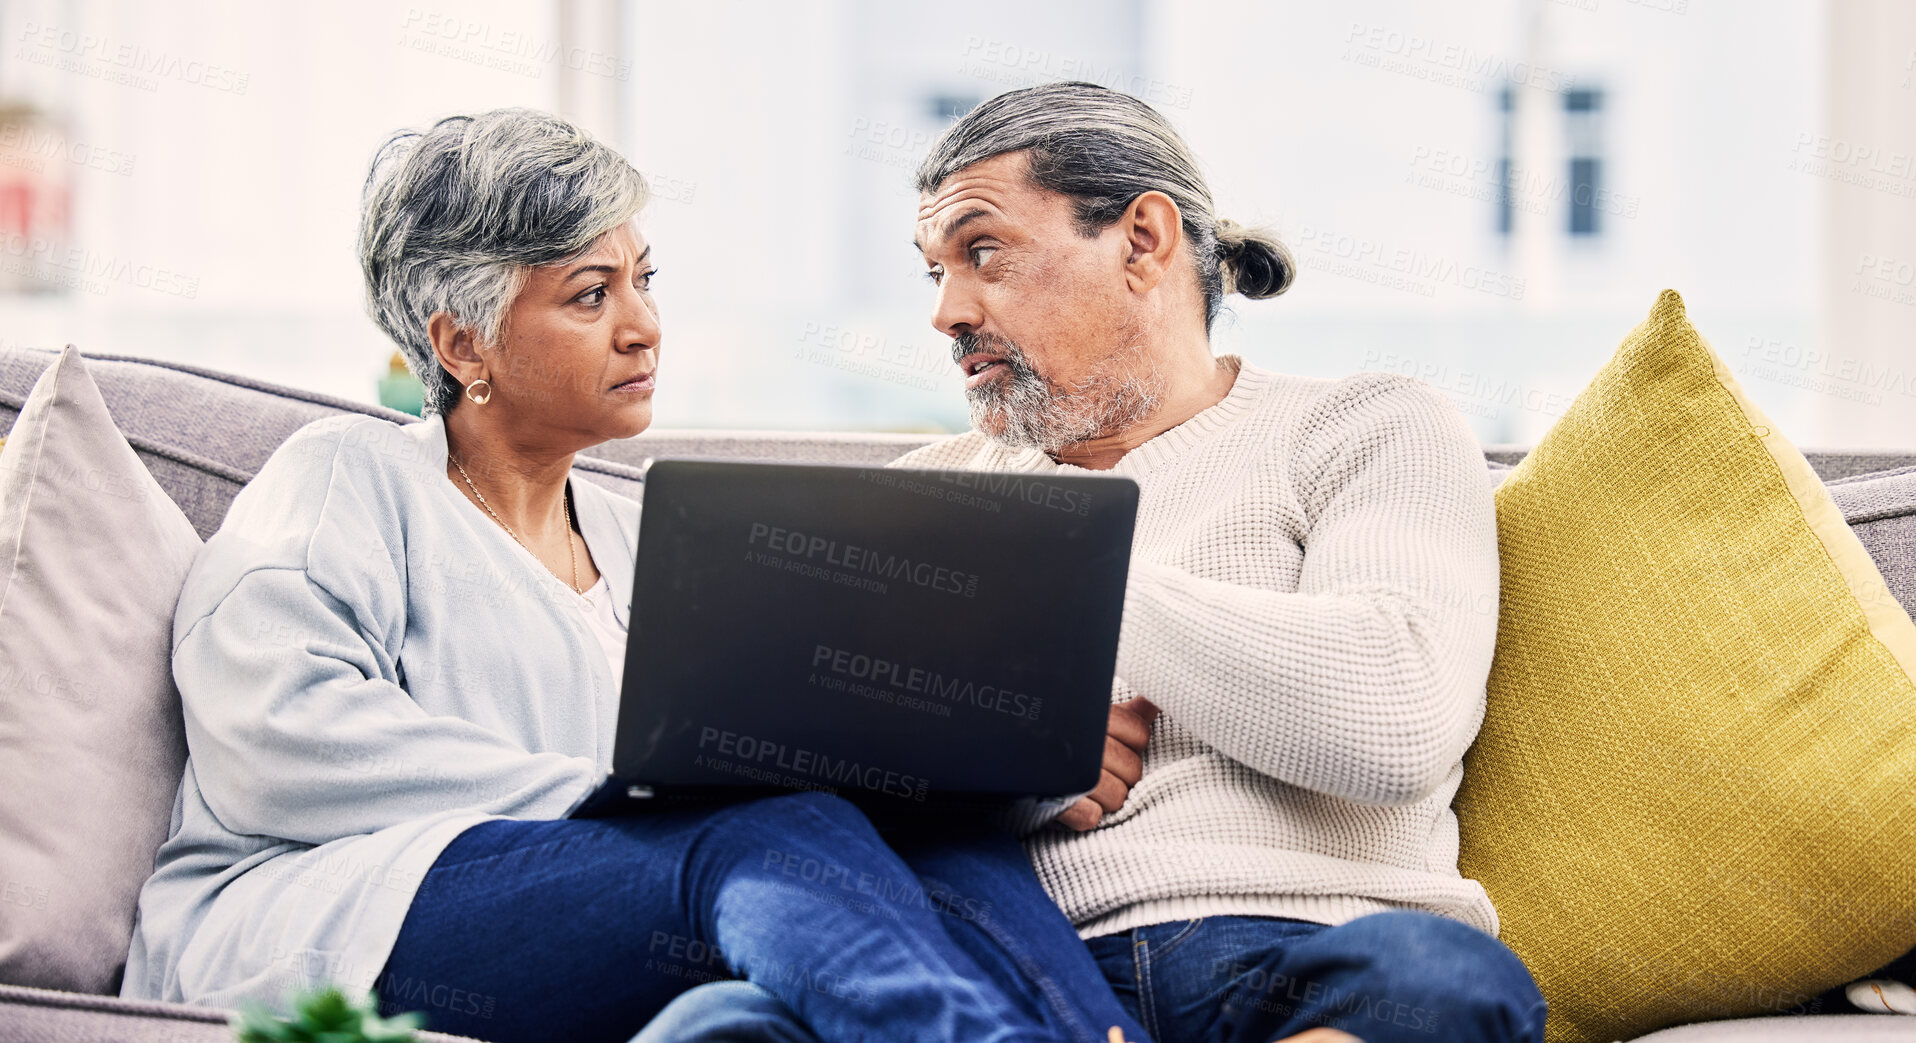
(571, 554)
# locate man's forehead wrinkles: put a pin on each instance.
(948, 225)
(951, 209)
(982, 186)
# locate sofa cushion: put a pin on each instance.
(1690, 797)
(92, 556)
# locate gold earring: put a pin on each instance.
(484, 396)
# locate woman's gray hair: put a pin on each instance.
(454, 216)
(1104, 148)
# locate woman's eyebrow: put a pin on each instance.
(603, 267)
(583, 269)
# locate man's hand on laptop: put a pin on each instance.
(1126, 733)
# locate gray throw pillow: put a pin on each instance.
(1881, 510)
(92, 557)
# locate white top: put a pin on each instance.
(368, 665)
(1313, 604)
(596, 603)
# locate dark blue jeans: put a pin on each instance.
(1383, 978)
(584, 929)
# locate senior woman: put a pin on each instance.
(399, 659)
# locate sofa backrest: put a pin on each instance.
(874, 449)
(204, 433)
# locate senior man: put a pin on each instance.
(1311, 601)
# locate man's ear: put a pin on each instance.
(458, 352)
(1153, 228)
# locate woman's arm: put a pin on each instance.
(296, 733)
(286, 648)
(1367, 682)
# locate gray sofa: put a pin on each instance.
(203, 434)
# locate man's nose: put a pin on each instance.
(957, 309)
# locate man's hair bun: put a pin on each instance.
(1255, 262)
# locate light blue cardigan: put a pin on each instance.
(369, 665)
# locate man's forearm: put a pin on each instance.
(1366, 696)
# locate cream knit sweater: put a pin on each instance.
(1312, 603)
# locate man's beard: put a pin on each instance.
(1024, 408)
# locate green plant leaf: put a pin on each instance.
(325, 1016)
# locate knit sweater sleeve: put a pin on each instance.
(285, 653)
(1366, 683)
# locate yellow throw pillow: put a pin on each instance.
(1694, 794)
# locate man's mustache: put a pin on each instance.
(970, 343)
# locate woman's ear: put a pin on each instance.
(458, 352)
(1153, 228)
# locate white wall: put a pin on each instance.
(1365, 131)
(250, 192)
(781, 138)
(1862, 369)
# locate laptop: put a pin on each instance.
(904, 638)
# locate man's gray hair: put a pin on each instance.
(454, 216)
(1104, 148)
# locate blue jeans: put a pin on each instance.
(1393, 976)
(1383, 978)
(585, 929)
(726, 1012)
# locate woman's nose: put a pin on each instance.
(639, 327)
